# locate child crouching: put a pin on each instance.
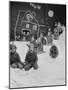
(15, 61)
(31, 59)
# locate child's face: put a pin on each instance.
(27, 33)
(31, 48)
(41, 35)
(32, 38)
(13, 50)
(49, 33)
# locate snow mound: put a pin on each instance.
(50, 71)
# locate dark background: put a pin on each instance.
(41, 15)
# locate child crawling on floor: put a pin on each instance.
(15, 61)
(31, 58)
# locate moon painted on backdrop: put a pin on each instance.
(50, 13)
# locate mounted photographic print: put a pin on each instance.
(37, 44)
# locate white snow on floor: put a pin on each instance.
(50, 71)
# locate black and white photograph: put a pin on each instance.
(37, 44)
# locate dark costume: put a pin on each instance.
(49, 39)
(31, 60)
(15, 61)
(56, 33)
(54, 51)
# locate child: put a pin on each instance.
(15, 61)
(49, 38)
(39, 43)
(31, 58)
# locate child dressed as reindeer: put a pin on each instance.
(31, 58)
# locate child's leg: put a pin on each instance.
(14, 65)
(35, 66)
(27, 67)
(20, 65)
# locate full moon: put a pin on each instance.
(50, 13)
